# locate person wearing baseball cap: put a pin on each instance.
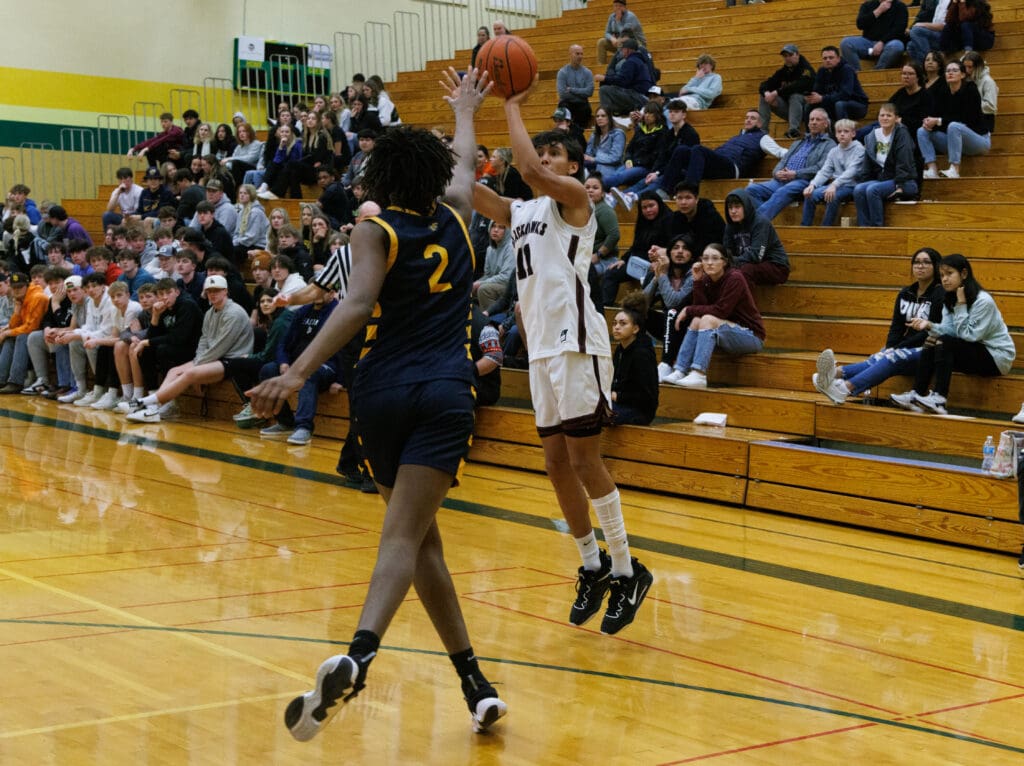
(624, 88)
(227, 333)
(30, 305)
(783, 93)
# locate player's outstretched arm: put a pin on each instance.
(562, 188)
(464, 95)
(369, 267)
(489, 204)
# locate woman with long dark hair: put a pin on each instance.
(669, 287)
(922, 298)
(956, 126)
(971, 338)
(968, 27)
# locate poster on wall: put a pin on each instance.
(251, 49)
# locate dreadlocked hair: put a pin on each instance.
(408, 168)
(635, 306)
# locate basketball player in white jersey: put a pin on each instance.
(570, 359)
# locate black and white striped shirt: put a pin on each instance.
(335, 273)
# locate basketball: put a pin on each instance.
(511, 62)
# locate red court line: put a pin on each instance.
(845, 644)
(761, 745)
(691, 658)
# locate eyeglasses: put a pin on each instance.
(922, 263)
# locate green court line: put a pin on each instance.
(881, 593)
(916, 728)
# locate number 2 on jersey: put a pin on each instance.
(436, 285)
(524, 267)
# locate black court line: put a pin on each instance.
(880, 593)
(917, 728)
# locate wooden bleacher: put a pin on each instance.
(786, 448)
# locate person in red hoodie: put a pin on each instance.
(157, 149)
(31, 302)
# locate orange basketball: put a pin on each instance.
(511, 63)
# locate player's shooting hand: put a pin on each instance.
(467, 92)
(266, 398)
(520, 98)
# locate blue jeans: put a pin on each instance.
(957, 141)
(624, 176)
(254, 177)
(773, 196)
(843, 194)
(921, 41)
(870, 197)
(14, 359)
(699, 345)
(881, 366)
(856, 48)
(968, 36)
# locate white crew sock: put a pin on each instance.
(128, 391)
(150, 401)
(589, 551)
(609, 514)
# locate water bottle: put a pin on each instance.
(988, 452)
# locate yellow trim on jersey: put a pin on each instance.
(393, 239)
(371, 331)
(465, 231)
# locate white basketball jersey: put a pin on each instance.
(552, 261)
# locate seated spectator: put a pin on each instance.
(226, 333)
(340, 147)
(926, 31)
(190, 194)
(21, 250)
(362, 119)
(132, 382)
(65, 293)
(278, 181)
(888, 168)
(971, 338)
(796, 168)
(641, 154)
(30, 303)
(912, 102)
(499, 265)
(883, 24)
(224, 142)
(723, 313)
(957, 125)
(202, 144)
(485, 347)
(507, 180)
(651, 230)
(245, 156)
(278, 220)
(132, 274)
(737, 157)
(215, 233)
(252, 226)
(635, 377)
(380, 101)
(626, 88)
(101, 261)
(189, 277)
(153, 197)
(483, 34)
(606, 240)
(124, 200)
(18, 198)
(978, 73)
(678, 133)
(99, 323)
(320, 240)
(843, 167)
(125, 311)
(157, 149)
(783, 93)
(290, 245)
(968, 27)
(697, 217)
(754, 247)
(366, 139)
(259, 266)
(218, 265)
(78, 250)
(286, 279)
(704, 87)
(934, 66)
(836, 88)
(606, 147)
(670, 284)
(56, 257)
(575, 85)
(619, 20)
(69, 351)
(333, 200)
(563, 121)
(922, 299)
(483, 162)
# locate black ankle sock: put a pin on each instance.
(469, 671)
(364, 646)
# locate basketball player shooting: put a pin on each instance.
(570, 359)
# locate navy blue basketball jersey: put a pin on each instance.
(420, 328)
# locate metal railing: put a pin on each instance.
(40, 162)
(79, 149)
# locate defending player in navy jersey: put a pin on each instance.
(412, 272)
(570, 359)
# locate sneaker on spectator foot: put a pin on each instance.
(1019, 417)
(623, 122)
(106, 402)
(906, 401)
(128, 405)
(664, 370)
(339, 679)
(170, 409)
(694, 379)
(301, 437)
(11, 388)
(933, 402)
(70, 397)
(617, 195)
(150, 414)
(244, 414)
(278, 429)
(930, 173)
(674, 378)
(826, 367)
(591, 587)
(89, 398)
(267, 195)
(627, 593)
(950, 172)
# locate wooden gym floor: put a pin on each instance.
(167, 589)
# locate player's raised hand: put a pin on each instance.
(467, 91)
(521, 97)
